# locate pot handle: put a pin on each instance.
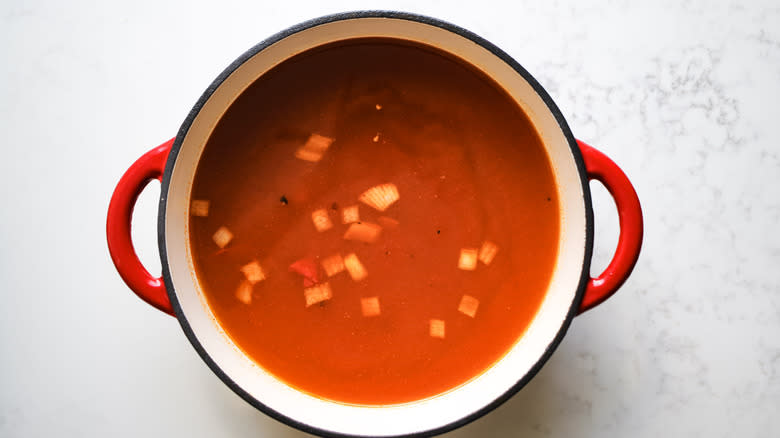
(601, 168)
(120, 213)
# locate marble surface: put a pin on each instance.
(684, 95)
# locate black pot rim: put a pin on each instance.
(584, 275)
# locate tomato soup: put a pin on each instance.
(374, 222)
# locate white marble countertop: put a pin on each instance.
(684, 96)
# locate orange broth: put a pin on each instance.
(464, 204)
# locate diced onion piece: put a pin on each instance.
(468, 305)
(378, 107)
(487, 252)
(350, 214)
(314, 148)
(317, 293)
(321, 220)
(333, 265)
(222, 237)
(317, 142)
(370, 306)
(354, 267)
(468, 259)
(380, 197)
(376, 138)
(253, 272)
(437, 328)
(363, 232)
(388, 222)
(244, 292)
(307, 155)
(199, 207)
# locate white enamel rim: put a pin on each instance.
(436, 414)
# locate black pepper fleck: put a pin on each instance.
(284, 200)
(334, 206)
(438, 231)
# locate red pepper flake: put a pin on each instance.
(307, 268)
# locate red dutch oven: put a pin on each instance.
(571, 290)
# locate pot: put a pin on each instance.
(571, 290)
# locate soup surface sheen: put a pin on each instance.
(374, 222)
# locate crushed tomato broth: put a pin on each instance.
(374, 222)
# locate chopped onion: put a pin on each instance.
(350, 214)
(380, 197)
(468, 259)
(314, 148)
(376, 138)
(333, 265)
(378, 107)
(222, 237)
(370, 306)
(317, 293)
(354, 267)
(437, 328)
(468, 305)
(363, 232)
(321, 220)
(244, 292)
(253, 272)
(199, 207)
(487, 252)
(307, 155)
